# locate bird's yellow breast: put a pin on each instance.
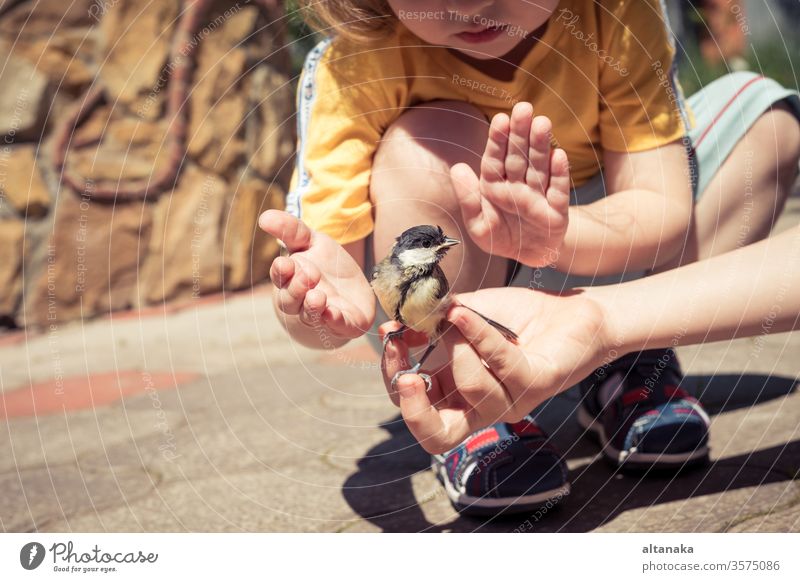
(422, 309)
(422, 306)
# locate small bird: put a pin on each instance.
(412, 288)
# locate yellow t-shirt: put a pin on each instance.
(602, 72)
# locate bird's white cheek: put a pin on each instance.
(416, 257)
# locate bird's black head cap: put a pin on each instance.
(418, 237)
(422, 246)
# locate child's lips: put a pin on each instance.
(484, 35)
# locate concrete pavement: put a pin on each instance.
(208, 418)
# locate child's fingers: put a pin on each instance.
(493, 162)
(285, 227)
(341, 324)
(477, 211)
(313, 307)
(538, 173)
(518, 142)
(491, 220)
(292, 296)
(558, 191)
(281, 271)
(310, 271)
(288, 303)
(333, 316)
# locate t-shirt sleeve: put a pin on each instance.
(641, 103)
(342, 114)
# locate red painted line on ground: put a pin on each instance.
(15, 337)
(85, 392)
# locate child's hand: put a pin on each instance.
(518, 207)
(319, 281)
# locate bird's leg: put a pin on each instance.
(417, 366)
(425, 355)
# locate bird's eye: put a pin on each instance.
(427, 244)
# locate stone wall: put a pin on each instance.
(139, 142)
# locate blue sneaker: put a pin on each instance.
(640, 415)
(506, 468)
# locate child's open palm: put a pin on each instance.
(319, 281)
(518, 208)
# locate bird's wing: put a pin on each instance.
(385, 283)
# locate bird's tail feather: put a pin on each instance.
(509, 334)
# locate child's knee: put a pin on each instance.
(790, 139)
(417, 151)
(781, 126)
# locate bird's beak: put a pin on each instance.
(449, 242)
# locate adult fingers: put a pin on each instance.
(479, 388)
(395, 358)
(437, 431)
(506, 360)
(388, 326)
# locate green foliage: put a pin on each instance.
(300, 37)
(777, 58)
(694, 72)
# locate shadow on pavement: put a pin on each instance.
(729, 392)
(382, 492)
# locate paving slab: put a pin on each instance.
(256, 433)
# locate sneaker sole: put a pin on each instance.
(487, 506)
(639, 460)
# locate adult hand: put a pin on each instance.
(562, 338)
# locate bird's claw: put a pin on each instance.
(425, 377)
(393, 334)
